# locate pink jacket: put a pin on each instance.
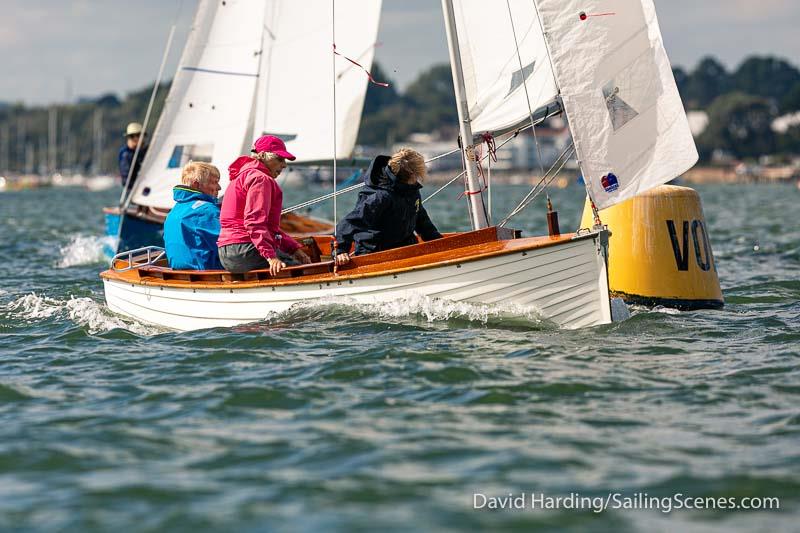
(251, 210)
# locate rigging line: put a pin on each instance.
(549, 181)
(328, 196)
(356, 186)
(535, 190)
(525, 86)
(451, 152)
(322, 198)
(222, 72)
(512, 136)
(443, 187)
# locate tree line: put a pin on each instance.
(741, 106)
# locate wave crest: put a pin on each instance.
(85, 250)
(84, 312)
(419, 306)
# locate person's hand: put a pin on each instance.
(342, 259)
(301, 256)
(275, 266)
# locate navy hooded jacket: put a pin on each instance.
(191, 231)
(386, 215)
(125, 159)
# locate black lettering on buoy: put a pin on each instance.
(705, 266)
(681, 258)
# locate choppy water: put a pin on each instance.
(353, 418)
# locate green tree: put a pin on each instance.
(789, 142)
(739, 124)
(681, 79)
(432, 96)
(791, 101)
(377, 96)
(769, 77)
(708, 81)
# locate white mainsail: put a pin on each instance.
(208, 108)
(253, 66)
(295, 96)
(495, 83)
(626, 116)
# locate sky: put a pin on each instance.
(53, 51)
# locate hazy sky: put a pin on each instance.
(52, 50)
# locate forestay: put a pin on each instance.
(494, 81)
(626, 116)
(207, 112)
(295, 96)
(252, 67)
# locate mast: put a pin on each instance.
(4, 148)
(52, 139)
(477, 209)
(97, 140)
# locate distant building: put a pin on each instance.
(698, 122)
(782, 124)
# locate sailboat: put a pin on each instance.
(246, 67)
(512, 62)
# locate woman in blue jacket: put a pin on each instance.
(191, 229)
(389, 210)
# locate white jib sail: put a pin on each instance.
(626, 116)
(492, 74)
(295, 94)
(208, 110)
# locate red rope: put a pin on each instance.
(369, 75)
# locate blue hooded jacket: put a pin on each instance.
(191, 231)
(386, 215)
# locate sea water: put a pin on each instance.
(416, 415)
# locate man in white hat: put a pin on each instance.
(133, 137)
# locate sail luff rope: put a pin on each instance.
(525, 86)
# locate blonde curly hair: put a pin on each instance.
(408, 164)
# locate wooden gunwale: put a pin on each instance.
(458, 249)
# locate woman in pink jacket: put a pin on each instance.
(250, 236)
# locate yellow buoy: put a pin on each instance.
(659, 251)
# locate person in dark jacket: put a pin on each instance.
(133, 136)
(191, 229)
(389, 210)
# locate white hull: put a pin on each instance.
(567, 284)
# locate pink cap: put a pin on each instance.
(270, 143)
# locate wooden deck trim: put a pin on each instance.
(458, 249)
